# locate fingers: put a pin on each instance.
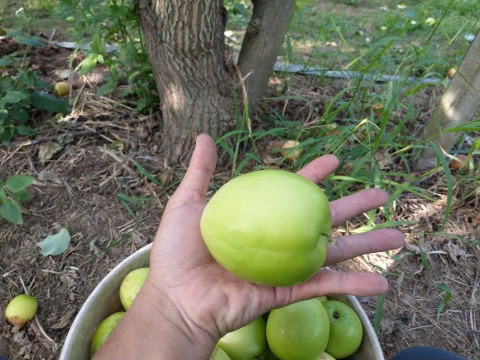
(319, 168)
(350, 206)
(348, 247)
(330, 282)
(201, 167)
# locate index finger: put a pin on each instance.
(319, 168)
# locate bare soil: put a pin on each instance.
(78, 190)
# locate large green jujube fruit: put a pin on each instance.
(346, 330)
(247, 343)
(269, 227)
(298, 331)
(219, 354)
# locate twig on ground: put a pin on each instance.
(36, 317)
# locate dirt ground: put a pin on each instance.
(79, 189)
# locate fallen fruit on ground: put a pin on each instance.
(62, 88)
(378, 110)
(459, 164)
(287, 150)
(430, 21)
(21, 309)
(131, 285)
(246, 343)
(269, 227)
(346, 331)
(104, 330)
(298, 331)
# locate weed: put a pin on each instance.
(13, 192)
(19, 87)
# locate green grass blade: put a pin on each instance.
(448, 176)
(378, 313)
(147, 174)
(444, 301)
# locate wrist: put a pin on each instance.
(154, 328)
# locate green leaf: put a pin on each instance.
(16, 183)
(18, 112)
(5, 61)
(443, 303)
(11, 211)
(87, 65)
(3, 115)
(45, 101)
(107, 88)
(55, 244)
(7, 135)
(24, 130)
(30, 40)
(40, 84)
(15, 96)
(3, 195)
(127, 54)
(21, 196)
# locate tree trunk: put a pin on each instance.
(458, 104)
(261, 44)
(185, 45)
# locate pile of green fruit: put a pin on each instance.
(129, 289)
(316, 329)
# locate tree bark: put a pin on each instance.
(458, 105)
(185, 45)
(261, 44)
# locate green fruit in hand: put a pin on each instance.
(219, 354)
(104, 330)
(322, 299)
(271, 355)
(21, 309)
(298, 331)
(246, 343)
(269, 227)
(346, 331)
(325, 356)
(131, 285)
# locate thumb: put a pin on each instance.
(201, 168)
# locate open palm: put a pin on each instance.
(208, 297)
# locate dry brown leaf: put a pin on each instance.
(48, 151)
(166, 176)
(64, 320)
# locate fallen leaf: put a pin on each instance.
(48, 151)
(454, 251)
(166, 176)
(64, 320)
(55, 244)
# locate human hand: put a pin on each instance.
(197, 301)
